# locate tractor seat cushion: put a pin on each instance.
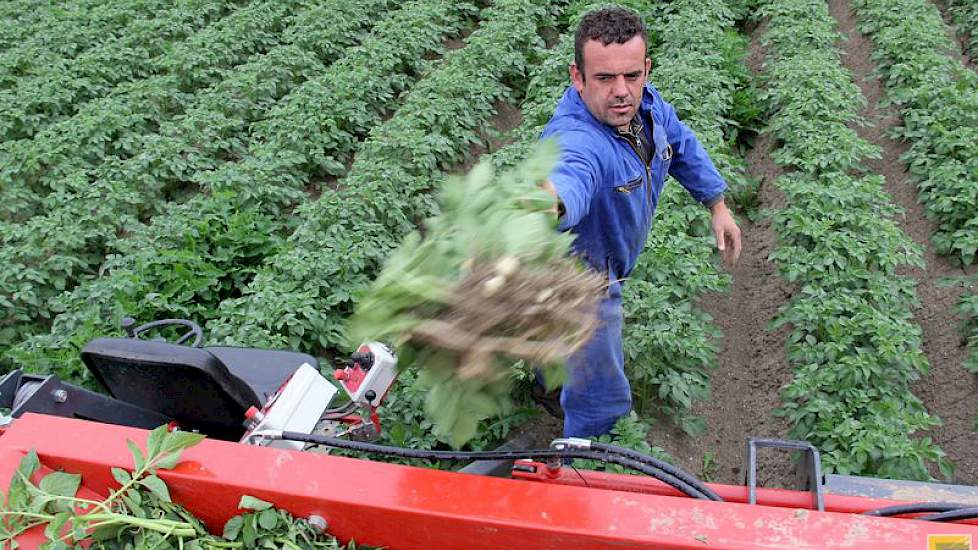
(263, 370)
(187, 384)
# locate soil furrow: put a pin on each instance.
(948, 390)
(752, 367)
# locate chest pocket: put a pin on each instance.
(628, 187)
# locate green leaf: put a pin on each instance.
(61, 484)
(178, 441)
(168, 461)
(122, 476)
(137, 455)
(251, 503)
(133, 500)
(155, 442)
(249, 533)
(29, 464)
(233, 527)
(268, 519)
(157, 487)
(53, 529)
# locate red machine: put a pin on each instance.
(539, 505)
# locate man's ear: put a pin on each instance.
(648, 67)
(577, 77)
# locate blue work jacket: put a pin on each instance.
(608, 193)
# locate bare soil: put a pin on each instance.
(494, 136)
(948, 391)
(752, 366)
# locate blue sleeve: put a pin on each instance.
(575, 175)
(691, 165)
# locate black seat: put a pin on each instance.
(207, 389)
(264, 370)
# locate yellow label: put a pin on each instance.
(949, 542)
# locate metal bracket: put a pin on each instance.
(814, 467)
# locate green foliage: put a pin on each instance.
(852, 343)
(140, 514)
(938, 98)
(97, 197)
(484, 219)
(280, 160)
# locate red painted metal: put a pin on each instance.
(781, 498)
(408, 508)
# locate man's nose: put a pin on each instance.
(619, 88)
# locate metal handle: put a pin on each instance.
(814, 467)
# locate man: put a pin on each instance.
(619, 139)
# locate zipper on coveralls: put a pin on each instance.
(632, 140)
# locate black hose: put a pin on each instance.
(660, 464)
(401, 452)
(339, 412)
(914, 508)
(954, 515)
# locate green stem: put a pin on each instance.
(136, 475)
(178, 528)
(27, 527)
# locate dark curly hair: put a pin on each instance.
(608, 25)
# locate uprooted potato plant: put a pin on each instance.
(488, 282)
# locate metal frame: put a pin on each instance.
(416, 508)
(814, 467)
(57, 398)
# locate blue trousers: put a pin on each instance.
(597, 393)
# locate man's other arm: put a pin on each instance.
(693, 169)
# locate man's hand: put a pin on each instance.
(557, 209)
(727, 233)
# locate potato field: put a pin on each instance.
(250, 164)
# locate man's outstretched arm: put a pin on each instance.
(692, 167)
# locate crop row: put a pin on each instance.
(110, 125)
(853, 344)
(51, 252)
(33, 37)
(57, 90)
(120, 124)
(195, 254)
(965, 15)
(301, 296)
(939, 101)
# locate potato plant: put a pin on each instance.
(181, 263)
(852, 343)
(938, 98)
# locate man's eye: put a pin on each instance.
(604, 78)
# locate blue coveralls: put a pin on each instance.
(609, 197)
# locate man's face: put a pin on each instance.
(613, 78)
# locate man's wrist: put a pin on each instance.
(714, 203)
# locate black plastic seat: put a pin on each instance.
(207, 389)
(263, 370)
